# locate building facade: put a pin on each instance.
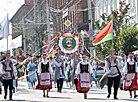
(105, 6)
(59, 11)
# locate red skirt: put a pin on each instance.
(43, 87)
(133, 86)
(82, 89)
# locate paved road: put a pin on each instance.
(68, 95)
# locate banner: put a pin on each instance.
(17, 42)
(3, 43)
(68, 43)
(4, 25)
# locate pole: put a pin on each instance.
(24, 39)
(68, 9)
(90, 14)
(90, 23)
(53, 18)
(59, 15)
(75, 14)
(48, 23)
(35, 28)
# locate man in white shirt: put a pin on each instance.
(59, 73)
(8, 76)
(113, 72)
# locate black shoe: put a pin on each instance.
(43, 95)
(85, 97)
(10, 99)
(115, 98)
(135, 96)
(60, 91)
(5, 97)
(108, 96)
(130, 97)
(47, 96)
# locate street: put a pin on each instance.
(68, 95)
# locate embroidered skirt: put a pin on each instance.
(44, 82)
(131, 84)
(84, 83)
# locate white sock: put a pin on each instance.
(67, 84)
(73, 86)
(28, 85)
(54, 84)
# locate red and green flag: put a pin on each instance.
(105, 34)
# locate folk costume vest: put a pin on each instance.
(131, 68)
(84, 68)
(45, 67)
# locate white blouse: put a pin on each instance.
(84, 63)
(40, 69)
(125, 69)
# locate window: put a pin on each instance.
(85, 16)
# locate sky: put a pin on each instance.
(11, 6)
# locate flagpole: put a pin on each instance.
(112, 47)
(7, 44)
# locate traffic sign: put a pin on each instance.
(67, 23)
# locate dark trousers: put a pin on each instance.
(76, 82)
(116, 84)
(59, 84)
(7, 83)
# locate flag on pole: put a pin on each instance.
(85, 32)
(21, 49)
(4, 25)
(105, 34)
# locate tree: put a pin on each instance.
(118, 20)
(128, 39)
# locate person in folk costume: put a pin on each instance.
(37, 62)
(8, 76)
(15, 83)
(26, 64)
(130, 70)
(32, 70)
(84, 70)
(95, 67)
(111, 65)
(70, 71)
(66, 70)
(44, 71)
(53, 68)
(99, 70)
(21, 70)
(59, 73)
(1, 59)
(120, 67)
(74, 76)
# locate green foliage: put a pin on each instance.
(118, 20)
(128, 39)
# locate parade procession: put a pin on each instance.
(69, 50)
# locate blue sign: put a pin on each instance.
(91, 32)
